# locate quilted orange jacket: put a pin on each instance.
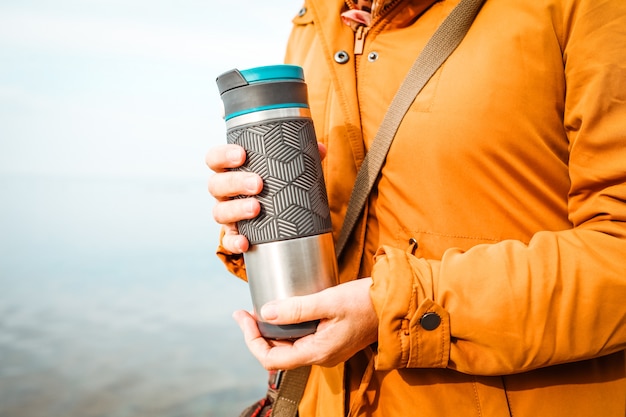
(509, 175)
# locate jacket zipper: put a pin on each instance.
(359, 39)
(362, 31)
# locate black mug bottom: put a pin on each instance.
(289, 331)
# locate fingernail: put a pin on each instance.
(269, 312)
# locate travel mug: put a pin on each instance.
(291, 245)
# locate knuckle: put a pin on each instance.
(324, 359)
(213, 186)
(233, 182)
(226, 184)
(296, 309)
(217, 213)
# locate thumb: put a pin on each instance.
(294, 309)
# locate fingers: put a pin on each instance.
(322, 150)
(223, 157)
(232, 211)
(332, 303)
(299, 309)
(348, 323)
(261, 348)
(229, 184)
(225, 184)
(273, 354)
(254, 340)
(232, 241)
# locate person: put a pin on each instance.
(487, 274)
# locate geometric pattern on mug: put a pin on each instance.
(293, 201)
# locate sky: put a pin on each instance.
(99, 91)
(119, 88)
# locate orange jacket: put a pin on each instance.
(509, 171)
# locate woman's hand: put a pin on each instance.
(348, 324)
(226, 184)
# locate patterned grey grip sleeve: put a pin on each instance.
(294, 202)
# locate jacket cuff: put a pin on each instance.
(413, 332)
(234, 262)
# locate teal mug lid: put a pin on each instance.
(262, 88)
(273, 72)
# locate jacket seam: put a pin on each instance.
(443, 346)
(449, 235)
(403, 350)
(506, 395)
(412, 303)
(476, 397)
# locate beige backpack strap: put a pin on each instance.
(290, 392)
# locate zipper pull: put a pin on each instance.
(359, 39)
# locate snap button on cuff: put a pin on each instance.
(302, 12)
(430, 321)
(341, 57)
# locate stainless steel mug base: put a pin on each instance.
(287, 268)
(290, 331)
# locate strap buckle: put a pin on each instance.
(274, 379)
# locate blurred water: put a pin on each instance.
(112, 302)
